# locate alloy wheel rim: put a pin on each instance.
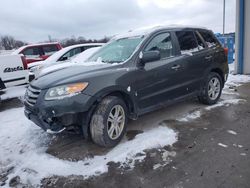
(214, 88)
(115, 122)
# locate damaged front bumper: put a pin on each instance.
(56, 116)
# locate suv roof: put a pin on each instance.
(148, 30)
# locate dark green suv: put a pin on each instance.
(133, 74)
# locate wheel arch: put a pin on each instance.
(220, 72)
(121, 93)
(129, 101)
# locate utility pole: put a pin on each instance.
(50, 39)
(224, 16)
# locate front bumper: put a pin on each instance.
(2, 86)
(59, 115)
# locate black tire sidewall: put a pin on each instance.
(210, 77)
(108, 142)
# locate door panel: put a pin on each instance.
(160, 81)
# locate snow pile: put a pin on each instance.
(23, 146)
(236, 79)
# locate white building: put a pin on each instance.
(242, 44)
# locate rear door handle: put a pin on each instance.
(175, 67)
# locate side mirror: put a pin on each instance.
(146, 57)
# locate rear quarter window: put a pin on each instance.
(209, 38)
(50, 49)
(201, 45)
(187, 41)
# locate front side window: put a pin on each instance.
(161, 43)
(209, 38)
(187, 41)
(117, 51)
(70, 54)
(33, 52)
(87, 47)
(50, 49)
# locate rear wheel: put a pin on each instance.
(108, 123)
(212, 89)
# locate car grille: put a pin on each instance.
(31, 95)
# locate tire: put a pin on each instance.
(100, 124)
(206, 97)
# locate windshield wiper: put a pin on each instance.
(111, 62)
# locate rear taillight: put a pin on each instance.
(25, 66)
(226, 51)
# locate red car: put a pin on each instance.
(38, 52)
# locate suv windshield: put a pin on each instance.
(117, 51)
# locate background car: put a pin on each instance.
(38, 52)
(75, 54)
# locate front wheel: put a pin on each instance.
(212, 89)
(108, 123)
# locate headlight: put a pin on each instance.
(61, 92)
(36, 68)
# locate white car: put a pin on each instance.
(50, 67)
(65, 54)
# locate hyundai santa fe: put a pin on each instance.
(133, 74)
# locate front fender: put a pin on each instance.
(126, 93)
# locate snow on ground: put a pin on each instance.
(232, 82)
(13, 92)
(222, 145)
(225, 102)
(236, 79)
(197, 114)
(23, 146)
(190, 116)
(232, 132)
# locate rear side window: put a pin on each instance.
(163, 44)
(32, 52)
(187, 41)
(50, 49)
(209, 38)
(201, 45)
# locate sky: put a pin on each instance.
(35, 20)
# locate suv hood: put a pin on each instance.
(79, 72)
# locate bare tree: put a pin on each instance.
(9, 43)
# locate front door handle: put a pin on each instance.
(175, 67)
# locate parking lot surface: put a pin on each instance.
(212, 151)
(203, 147)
